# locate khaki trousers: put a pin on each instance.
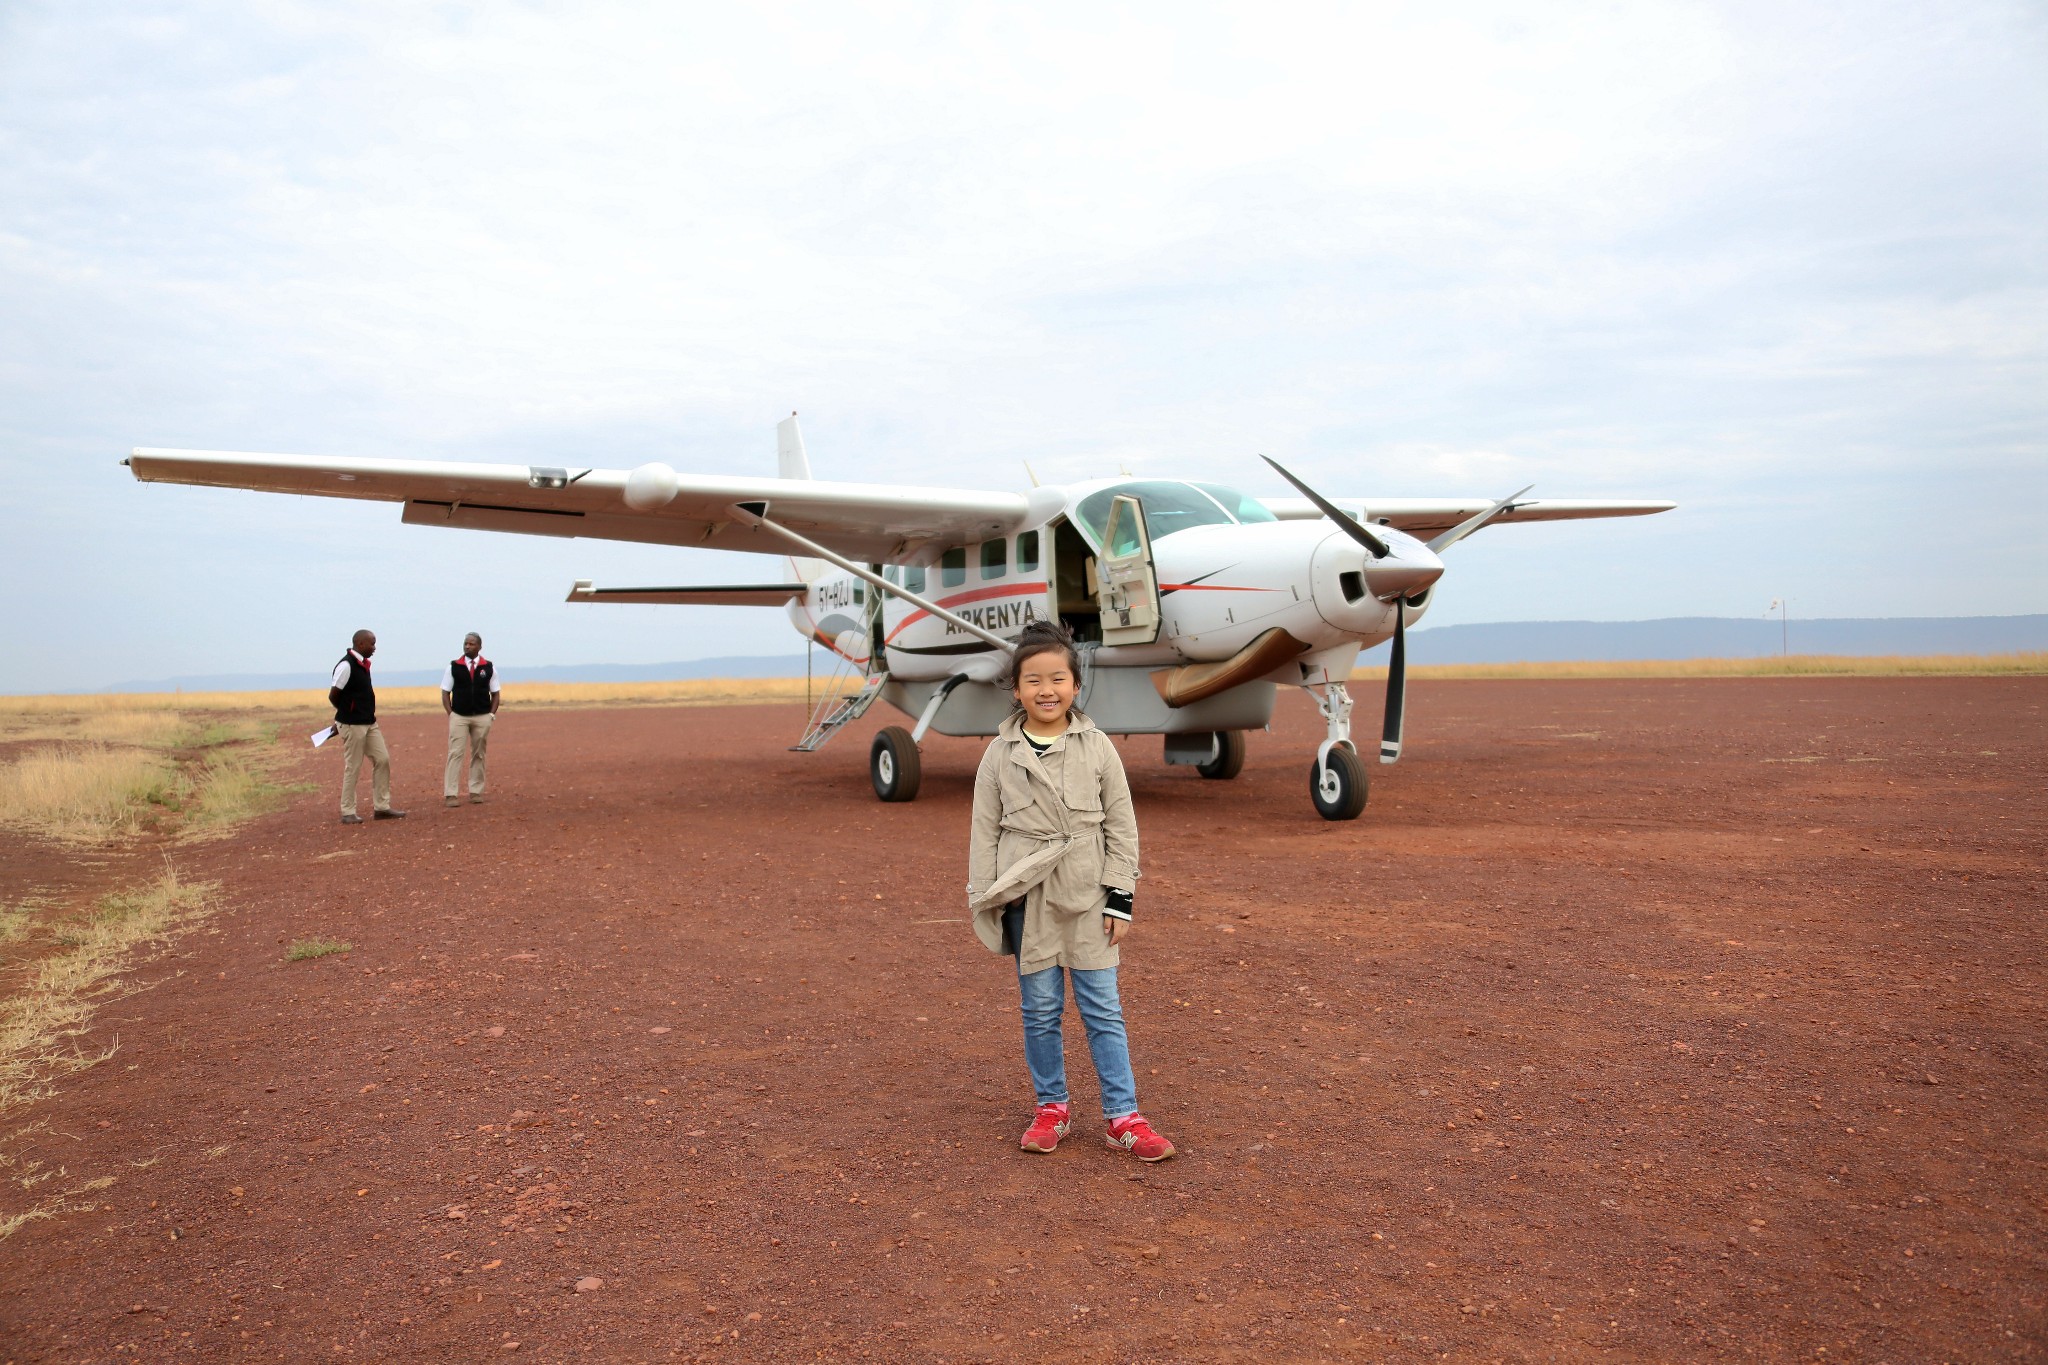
(466, 735)
(356, 742)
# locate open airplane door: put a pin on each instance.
(1127, 587)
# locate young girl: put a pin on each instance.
(1051, 865)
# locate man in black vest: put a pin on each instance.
(355, 718)
(469, 694)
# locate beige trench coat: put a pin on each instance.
(1055, 829)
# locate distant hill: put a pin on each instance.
(1678, 637)
(1720, 637)
(739, 666)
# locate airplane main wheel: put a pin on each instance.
(1229, 760)
(893, 765)
(1337, 785)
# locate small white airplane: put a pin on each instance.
(1192, 602)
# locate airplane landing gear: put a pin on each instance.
(893, 765)
(1336, 782)
(1229, 759)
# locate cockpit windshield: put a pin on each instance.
(1171, 506)
(1243, 506)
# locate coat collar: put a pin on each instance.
(1027, 758)
(1012, 727)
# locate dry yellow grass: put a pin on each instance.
(84, 791)
(124, 726)
(1776, 666)
(45, 1013)
(32, 1176)
(42, 1018)
(229, 787)
(56, 711)
(114, 771)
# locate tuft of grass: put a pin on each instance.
(44, 1017)
(86, 792)
(316, 947)
(215, 733)
(233, 785)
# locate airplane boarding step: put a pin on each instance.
(835, 709)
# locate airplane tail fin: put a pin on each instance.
(792, 463)
(789, 450)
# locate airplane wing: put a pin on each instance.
(717, 595)
(877, 523)
(1426, 517)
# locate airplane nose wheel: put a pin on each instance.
(1337, 785)
(893, 765)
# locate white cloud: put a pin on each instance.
(1717, 252)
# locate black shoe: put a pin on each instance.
(387, 815)
(351, 819)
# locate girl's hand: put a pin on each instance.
(1115, 928)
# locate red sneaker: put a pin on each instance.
(1048, 1126)
(1132, 1134)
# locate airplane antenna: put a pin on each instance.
(1034, 476)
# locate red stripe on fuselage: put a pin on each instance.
(962, 599)
(1208, 587)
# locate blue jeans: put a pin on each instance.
(1102, 1014)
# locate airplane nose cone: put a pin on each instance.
(1353, 588)
(1402, 576)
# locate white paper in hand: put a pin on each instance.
(320, 737)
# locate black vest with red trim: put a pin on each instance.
(470, 693)
(355, 701)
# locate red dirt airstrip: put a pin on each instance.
(1645, 1020)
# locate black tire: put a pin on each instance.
(1229, 760)
(893, 765)
(1338, 790)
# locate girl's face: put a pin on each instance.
(1046, 687)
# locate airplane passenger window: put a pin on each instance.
(1027, 552)
(994, 556)
(913, 580)
(1169, 507)
(859, 593)
(893, 574)
(953, 567)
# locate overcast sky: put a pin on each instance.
(1786, 263)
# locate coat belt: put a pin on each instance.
(1025, 873)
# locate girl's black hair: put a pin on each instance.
(1044, 637)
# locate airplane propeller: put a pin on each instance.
(1397, 687)
(1346, 523)
(1404, 580)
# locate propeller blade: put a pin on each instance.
(1346, 523)
(1397, 688)
(1471, 524)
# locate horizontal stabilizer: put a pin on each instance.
(711, 595)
